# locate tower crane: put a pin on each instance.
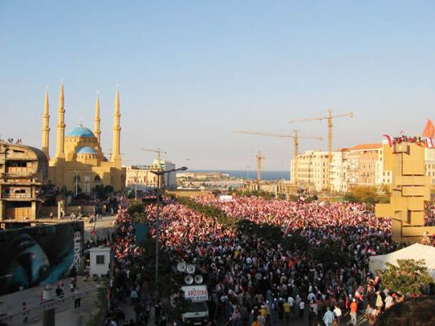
(295, 137)
(158, 151)
(259, 159)
(329, 117)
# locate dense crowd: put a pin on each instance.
(249, 276)
(124, 285)
(255, 281)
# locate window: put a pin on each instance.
(100, 259)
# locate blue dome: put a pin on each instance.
(80, 132)
(86, 150)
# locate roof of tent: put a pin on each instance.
(416, 251)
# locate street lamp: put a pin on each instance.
(77, 181)
(159, 173)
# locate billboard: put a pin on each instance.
(35, 256)
(142, 232)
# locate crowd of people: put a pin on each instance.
(126, 287)
(254, 281)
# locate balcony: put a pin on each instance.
(17, 196)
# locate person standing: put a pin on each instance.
(312, 318)
(302, 308)
(328, 317)
(255, 322)
(338, 313)
(379, 301)
(77, 298)
(261, 319)
(133, 297)
(287, 311)
(353, 312)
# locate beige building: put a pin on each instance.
(23, 172)
(361, 165)
(141, 175)
(312, 171)
(79, 163)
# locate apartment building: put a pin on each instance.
(361, 165)
(312, 170)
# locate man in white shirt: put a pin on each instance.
(337, 313)
(291, 300)
(302, 308)
(389, 301)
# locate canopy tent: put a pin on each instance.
(416, 251)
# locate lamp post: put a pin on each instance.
(76, 181)
(160, 173)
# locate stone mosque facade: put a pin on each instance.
(79, 163)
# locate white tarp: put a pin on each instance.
(225, 198)
(416, 251)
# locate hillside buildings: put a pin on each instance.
(80, 164)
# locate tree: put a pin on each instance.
(407, 278)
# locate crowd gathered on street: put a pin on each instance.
(254, 281)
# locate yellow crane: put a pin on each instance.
(295, 138)
(329, 117)
(158, 151)
(259, 159)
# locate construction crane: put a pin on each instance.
(158, 151)
(329, 117)
(259, 159)
(295, 137)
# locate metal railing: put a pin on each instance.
(9, 316)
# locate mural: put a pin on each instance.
(35, 256)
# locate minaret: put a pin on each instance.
(116, 148)
(97, 131)
(60, 152)
(46, 127)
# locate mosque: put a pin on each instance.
(79, 164)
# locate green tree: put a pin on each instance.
(407, 278)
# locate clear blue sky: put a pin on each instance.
(190, 72)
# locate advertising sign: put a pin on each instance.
(142, 232)
(35, 256)
(195, 292)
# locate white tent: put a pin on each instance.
(416, 251)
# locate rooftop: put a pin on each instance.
(367, 146)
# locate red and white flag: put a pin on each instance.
(390, 142)
(430, 143)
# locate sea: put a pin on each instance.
(265, 175)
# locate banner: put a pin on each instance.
(35, 256)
